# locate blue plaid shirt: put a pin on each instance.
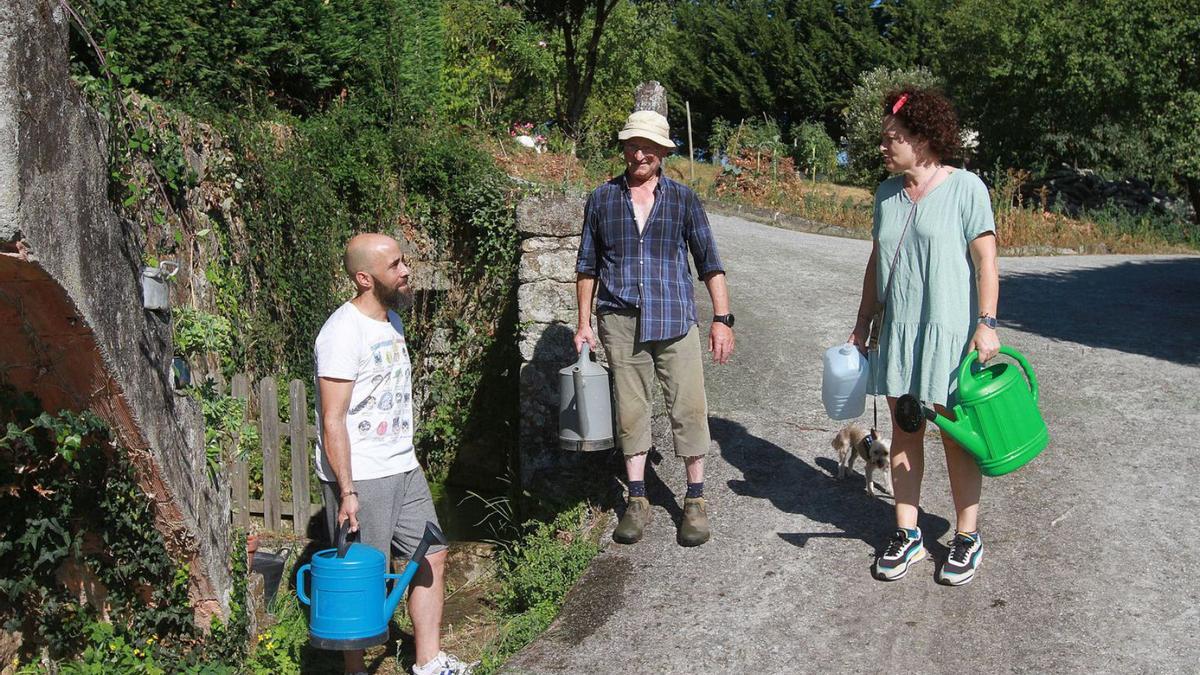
(647, 272)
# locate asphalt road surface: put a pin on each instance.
(1091, 551)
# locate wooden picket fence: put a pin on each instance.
(301, 434)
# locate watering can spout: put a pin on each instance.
(433, 535)
(394, 598)
(960, 430)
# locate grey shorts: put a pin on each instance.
(392, 512)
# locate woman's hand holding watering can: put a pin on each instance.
(985, 342)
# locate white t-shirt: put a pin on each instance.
(353, 346)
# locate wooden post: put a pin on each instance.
(691, 151)
(268, 429)
(240, 476)
(298, 426)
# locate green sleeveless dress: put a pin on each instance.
(930, 315)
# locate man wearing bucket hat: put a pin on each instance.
(637, 230)
(365, 457)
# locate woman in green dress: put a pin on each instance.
(933, 268)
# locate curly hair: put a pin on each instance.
(928, 114)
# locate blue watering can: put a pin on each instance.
(349, 607)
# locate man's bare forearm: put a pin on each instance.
(337, 450)
(718, 291)
(585, 288)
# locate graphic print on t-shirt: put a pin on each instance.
(390, 362)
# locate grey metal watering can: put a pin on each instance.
(584, 405)
(155, 294)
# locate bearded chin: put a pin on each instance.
(394, 298)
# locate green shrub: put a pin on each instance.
(541, 567)
(750, 135)
(864, 119)
(297, 55)
(199, 333)
(813, 150)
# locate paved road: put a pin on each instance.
(1091, 561)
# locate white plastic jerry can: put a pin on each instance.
(844, 383)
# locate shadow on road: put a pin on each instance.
(795, 486)
(1141, 307)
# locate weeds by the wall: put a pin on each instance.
(536, 572)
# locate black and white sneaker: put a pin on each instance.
(965, 553)
(905, 548)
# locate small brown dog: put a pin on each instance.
(857, 441)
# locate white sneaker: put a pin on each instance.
(445, 664)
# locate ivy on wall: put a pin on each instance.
(82, 559)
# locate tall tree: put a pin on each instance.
(581, 24)
(1112, 85)
(790, 59)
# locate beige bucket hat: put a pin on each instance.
(649, 125)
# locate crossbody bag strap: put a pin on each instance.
(886, 295)
(887, 291)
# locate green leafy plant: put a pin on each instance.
(813, 150)
(73, 507)
(198, 332)
(536, 572)
(227, 433)
(108, 652)
(279, 649)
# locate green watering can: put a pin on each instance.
(997, 418)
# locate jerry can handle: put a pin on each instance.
(343, 538)
(300, 583)
(964, 371)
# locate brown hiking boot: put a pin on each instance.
(637, 516)
(694, 531)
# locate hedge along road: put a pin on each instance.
(1090, 550)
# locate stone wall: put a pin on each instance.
(549, 228)
(71, 318)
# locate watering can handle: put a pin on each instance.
(300, 584)
(577, 375)
(964, 371)
(169, 268)
(342, 540)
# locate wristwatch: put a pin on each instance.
(726, 319)
(989, 321)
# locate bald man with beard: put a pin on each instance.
(365, 457)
